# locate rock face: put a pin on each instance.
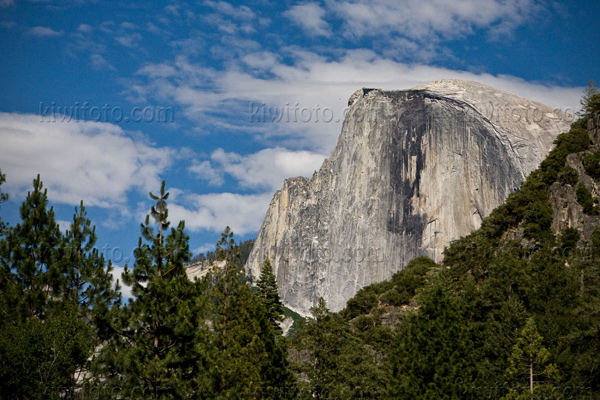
(412, 171)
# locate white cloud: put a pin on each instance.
(242, 213)
(41, 31)
(241, 12)
(263, 87)
(269, 167)
(206, 172)
(309, 17)
(100, 63)
(85, 28)
(425, 20)
(129, 39)
(8, 24)
(64, 225)
(231, 19)
(117, 273)
(204, 248)
(89, 161)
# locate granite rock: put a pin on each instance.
(412, 171)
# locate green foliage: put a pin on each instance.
(3, 198)
(591, 163)
(432, 352)
(530, 372)
(154, 348)
(269, 295)
(585, 199)
(38, 358)
(30, 253)
(337, 364)
(396, 292)
(568, 240)
(568, 176)
(574, 141)
(250, 357)
(590, 102)
(55, 295)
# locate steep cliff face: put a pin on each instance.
(412, 171)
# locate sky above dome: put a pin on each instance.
(224, 100)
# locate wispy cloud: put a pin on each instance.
(310, 17)
(85, 28)
(100, 63)
(300, 105)
(8, 24)
(42, 31)
(432, 19)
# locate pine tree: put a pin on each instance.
(269, 294)
(432, 353)
(3, 198)
(590, 102)
(37, 324)
(251, 362)
(530, 373)
(339, 365)
(31, 251)
(156, 351)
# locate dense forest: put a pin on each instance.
(511, 313)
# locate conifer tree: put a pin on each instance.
(339, 365)
(530, 373)
(88, 283)
(250, 361)
(31, 251)
(156, 351)
(432, 354)
(590, 102)
(3, 198)
(269, 294)
(43, 338)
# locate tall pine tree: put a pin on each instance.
(31, 251)
(155, 352)
(269, 294)
(3, 198)
(44, 339)
(250, 359)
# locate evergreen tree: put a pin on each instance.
(30, 252)
(155, 353)
(89, 277)
(590, 102)
(3, 198)
(530, 373)
(338, 365)
(269, 294)
(39, 329)
(250, 361)
(432, 354)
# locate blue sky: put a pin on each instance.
(86, 84)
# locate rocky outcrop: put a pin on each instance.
(412, 171)
(567, 212)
